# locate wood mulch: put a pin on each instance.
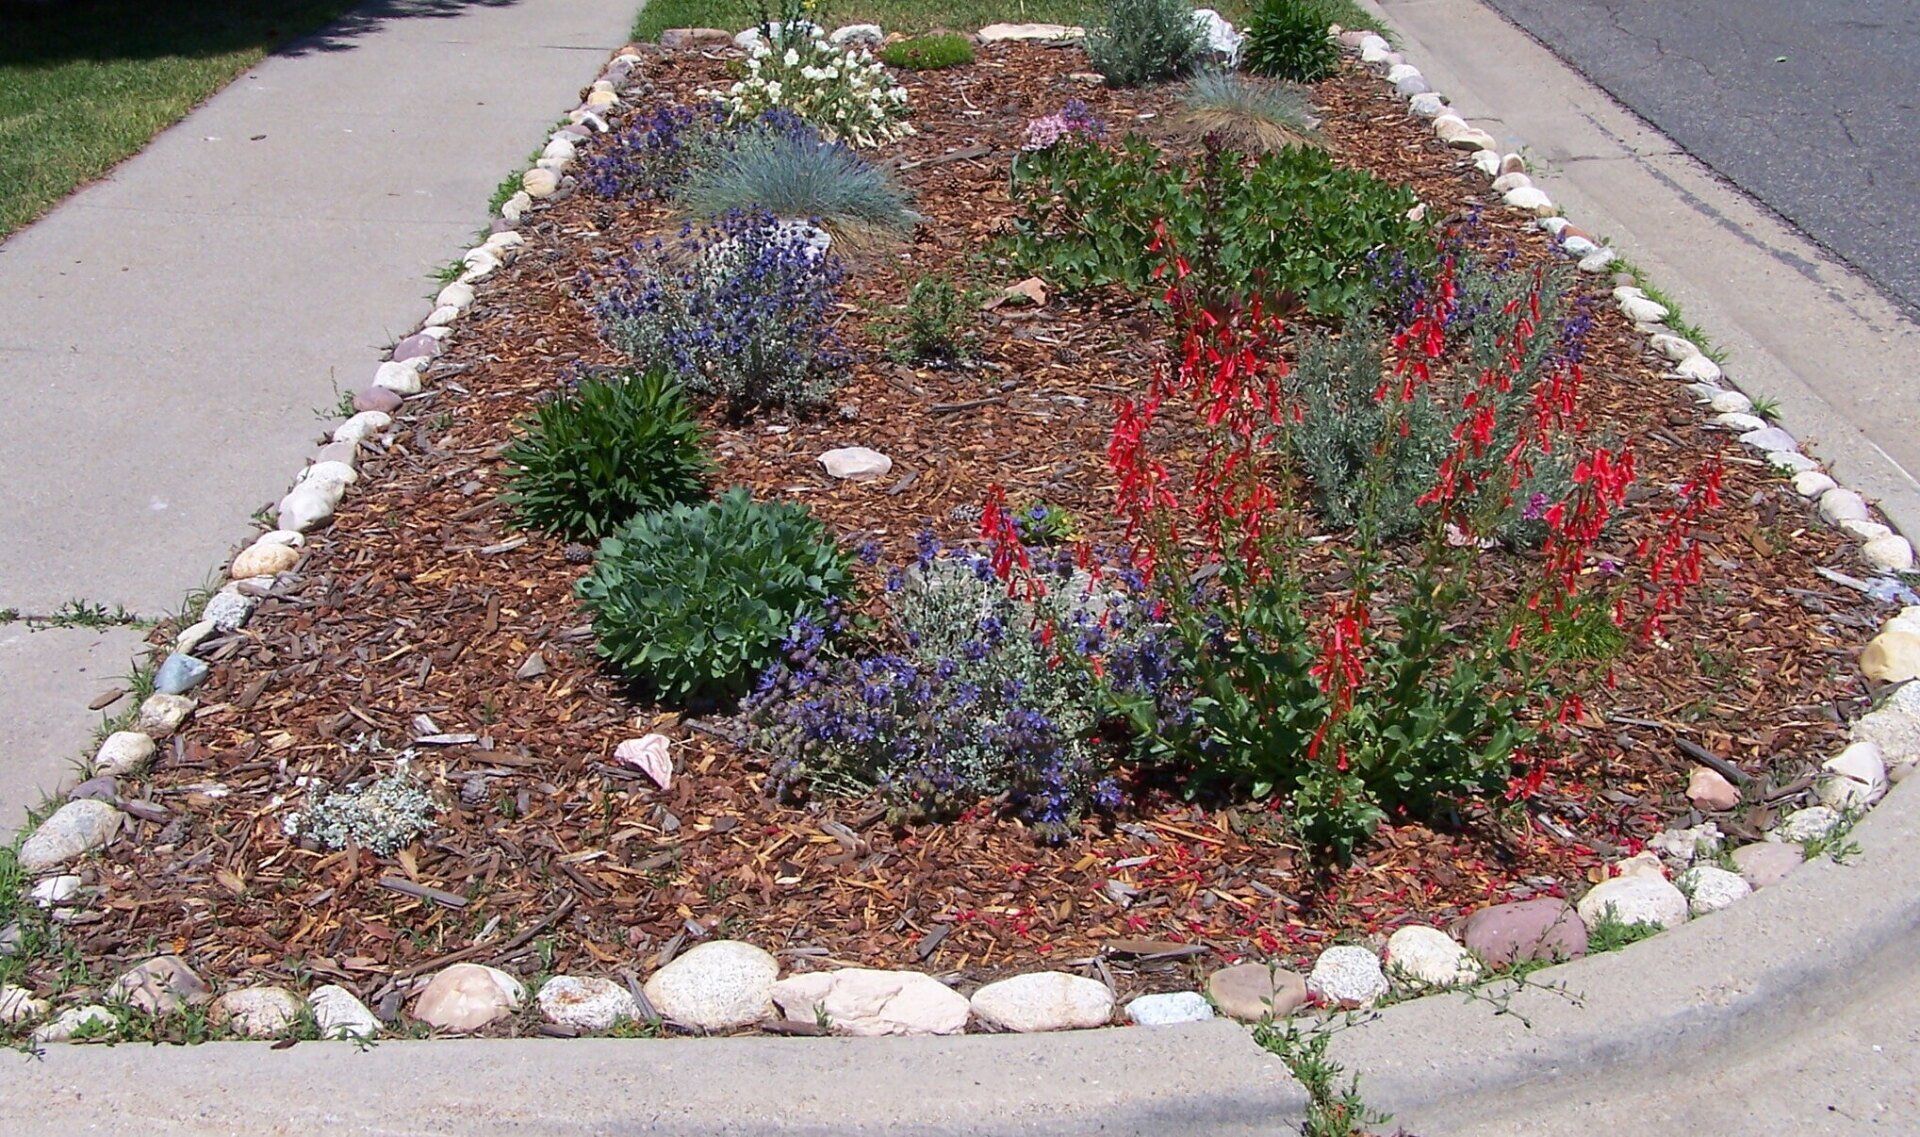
(416, 618)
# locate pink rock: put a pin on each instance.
(1765, 863)
(1708, 790)
(377, 399)
(1544, 928)
(414, 347)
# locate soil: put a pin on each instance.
(418, 612)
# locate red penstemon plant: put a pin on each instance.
(1351, 677)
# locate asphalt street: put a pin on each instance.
(1807, 105)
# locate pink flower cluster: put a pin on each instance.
(1072, 121)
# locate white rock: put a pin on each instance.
(1739, 422)
(1892, 553)
(1599, 260)
(17, 1005)
(402, 378)
(1853, 779)
(1625, 292)
(1375, 53)
(1676, 348)
(263, 559)
(1474, 139)
(856, 463)
(1812, 483)
(1837, 505)
(1698, 366)
(586, 1003)
(867, 35)
(1347, 976)
(1428, 105)
(868, 1003)
(337, 474)
(1729, 402)
(716, 986)
(1802, 825)
(162, 714)
(1043, 1001)
(1487, 162)
(1170, 1009)
(307, 505)
(159, 986)
(1401, 71)
(440, 317)
(1907, 621)
(559, 148)
(1768, 438)
(1529, 199)
(456, 295)
(440, 334)
(359, 429)
(1686, 845)
(1578, 246)
(55, 890)
(1791, 461)
(257, 1012)
(599, 101)
(1863, 530)
(74, 830)
(1506, 182)
(467, 996)
(1447, 127)
(1644, 863)
(290, 537)
(1426, 958)
(1641, 310)
(124, 752)
(194, 634)
(504, 243)
(1709, 888)
(1640, 898)
(1374, 42)
(1014, 33)
(70, 1022)
(340, 1015)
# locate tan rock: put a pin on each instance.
(1255, 992)
(468, 996)
(1708, 790)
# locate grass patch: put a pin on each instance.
(80, 90)
(912, 17)
(1611, 933)
(928, 53)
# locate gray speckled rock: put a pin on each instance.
(1642, 898)
(228, 609)
(73, 1020)
(1169, 1009)
(1044, 1001)
(1423, 959)
(586, 1003)
(1347, 976)
(124, 752)
(716, 986)
(1809, 824)
(1709, 888)
(257, 1012)
(74, 830)
(1894, 727)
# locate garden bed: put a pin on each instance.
(424, 618)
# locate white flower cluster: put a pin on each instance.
(844, 92)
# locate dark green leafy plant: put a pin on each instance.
(1290, 222)
(1144, 41)
(1287, 39)
(694, 601)
(928, 53)
(614, 446)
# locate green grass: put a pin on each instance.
(913, 17)
(1676, 321)
(82, 87)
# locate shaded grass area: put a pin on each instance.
(909, 16)
(85, 84)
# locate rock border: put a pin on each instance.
(724, 985)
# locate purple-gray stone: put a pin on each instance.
(377, 399)
(1544, 928)
(416, 346)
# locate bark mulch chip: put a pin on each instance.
(412, 620)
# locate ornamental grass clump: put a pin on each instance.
(1145, 41)
(780, 166)
(1361, 680)
(1247, 114)
(970, 701)
(1287, 39)
(844, 92)
(693, 602)
(612, 446)
(743, 311)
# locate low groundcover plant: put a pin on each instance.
(844, 92)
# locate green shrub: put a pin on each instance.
(693, 601)
(1247, 113)
(933, 328)
(1290, 222)
(928, 53)
(1144, 41)
(1287, 39)
(795, 174)
(614, 446)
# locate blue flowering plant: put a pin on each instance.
(653, 155)
(974, 700)
(744, 310)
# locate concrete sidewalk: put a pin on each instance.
(167, 334)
